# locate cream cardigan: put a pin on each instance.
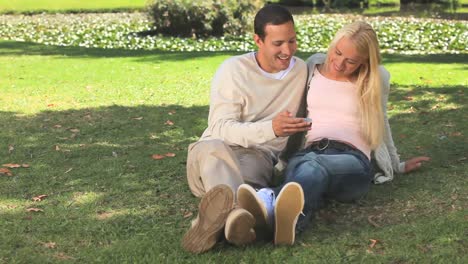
(386, 157)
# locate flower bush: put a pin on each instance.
(314, 32)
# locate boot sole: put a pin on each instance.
(212, 214)
(239, 227)
(247, 199)
(289, 205)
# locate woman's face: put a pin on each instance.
(344, 59)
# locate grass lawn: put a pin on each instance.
(54, 5)
(87, 122)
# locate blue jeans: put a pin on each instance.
(339, 174)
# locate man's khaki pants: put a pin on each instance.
(213, 162)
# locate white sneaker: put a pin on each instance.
(267, 195)
(260, 204)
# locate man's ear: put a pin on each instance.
(258, 40)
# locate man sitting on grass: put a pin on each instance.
(254, 98)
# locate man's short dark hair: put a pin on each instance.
(271, 14)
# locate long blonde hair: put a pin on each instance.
(368, 78)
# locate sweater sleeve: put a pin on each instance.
(388, 139)
(225, 117)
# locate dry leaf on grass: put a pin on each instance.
(170, 154)
(373, 243)
(6, 172)
(372, 222)
(169, 123)
(137, 118)
(62, 256)
(11, 165)
(74, 130)
(50, 245)
(25, 165)
(33, 209)
(188, 214)
(172, 112)
(157, 157)
(10, 148)
(39, 197)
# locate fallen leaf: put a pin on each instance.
(6, 172)
(39, 197)
(57, 126)
(412, 110)
(50, 105)
(188, 214)
(157, 156)
(10, 148)
(57, 148)
(172, 112)
(62, 256)
(32, 209)
(11, 165)
(454, 134)
(371, 221)
(435, 107)
(74, 130)
(169, 123)
(137, 118)
(170, 154)
(104, 215)
(373, 243)
(50, 244)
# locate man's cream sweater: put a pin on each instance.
(243, 103)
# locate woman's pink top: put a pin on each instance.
(333, 107)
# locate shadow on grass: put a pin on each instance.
(107, 197)
(12, 48)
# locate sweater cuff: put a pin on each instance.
(268, 131)
(401, 167)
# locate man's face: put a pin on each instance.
(276, 50)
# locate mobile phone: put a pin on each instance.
(308, 119)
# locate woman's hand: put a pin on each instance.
(415, 163)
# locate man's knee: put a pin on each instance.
(207, 147)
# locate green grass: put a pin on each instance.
(17, 6)
(109, 202)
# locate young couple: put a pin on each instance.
(326, 118)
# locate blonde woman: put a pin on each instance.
(346, 100)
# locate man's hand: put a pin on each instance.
(284, 124)
(414, 163)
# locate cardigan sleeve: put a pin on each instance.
(397, 166)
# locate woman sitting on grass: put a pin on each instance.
(346, 99)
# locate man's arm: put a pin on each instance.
(225, 120)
